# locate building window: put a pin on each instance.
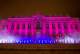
(47, 26)
(53, 26)
(18, 26)
(12, 26)
(23, 26)
(38, 25)
(65, 25)
(29, 26)
(59, 26)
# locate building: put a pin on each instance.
(31, 27)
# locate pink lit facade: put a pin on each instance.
(52, 26)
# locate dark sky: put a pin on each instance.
(46, 7)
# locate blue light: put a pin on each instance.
(35, 41)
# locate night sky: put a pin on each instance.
(45, 7)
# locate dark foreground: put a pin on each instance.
(39, 49)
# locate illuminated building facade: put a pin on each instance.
(41, 27)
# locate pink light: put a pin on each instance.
(15, 26)
(9, 27)
(79, 26)
(56, 26)
(62, 29)
(0, 27)
(43, 28)
(26, 28)
(69, 28)
(50, 29)
(33, 30)
(20, 30)
(43, 21)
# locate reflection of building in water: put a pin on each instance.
(54, 27)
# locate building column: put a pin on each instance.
(69, 28)
(26, 28)
(1, 27)
(43, 31)
(73, 27)
(50, 30)
(20, 29)
(33, 30)
(62, 30)
(78, 26)
(15, 27)
(9, 27)
(56, 29)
